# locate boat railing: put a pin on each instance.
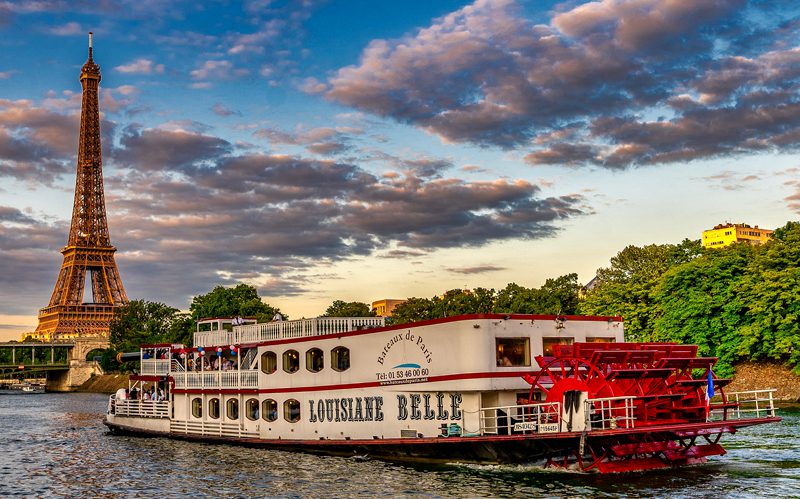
(216, 379)
(140, 408)
(743, 405)
(278, 330)
(212, 428)
(155, 366)
(610, 413)
(521, 419)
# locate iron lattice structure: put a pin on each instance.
(88, 251)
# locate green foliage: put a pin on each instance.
(108, 360)
(700, 304)
(141, 322)
(626, 287)
(413, 310)
(736, 303)
(341, 308)
(556, 296)
(241, 300)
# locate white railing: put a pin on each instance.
(211, 428)
(140, 408)
(744, 405)
(216, 379)
(527, 418)
(155, 366)
(610, 413)
(254, 333)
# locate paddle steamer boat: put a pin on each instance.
(564, 391)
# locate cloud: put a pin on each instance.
(324, 141)
(30, 260)
(221, 110)
(141, 66)
(221, 216)
(576, 91)
(69, 29)
(480, 269)
(793, 200)
(218, 70)
(164, 149)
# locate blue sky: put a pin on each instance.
(358, 150)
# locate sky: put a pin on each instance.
(360, 150)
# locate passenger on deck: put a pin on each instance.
(277, 317)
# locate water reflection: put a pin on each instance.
(55, 446)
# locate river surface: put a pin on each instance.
(55, 445)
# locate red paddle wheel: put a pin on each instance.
(638, 406)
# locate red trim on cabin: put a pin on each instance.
(443, 320)
(145, 377)
(157, 345)
(353, 386)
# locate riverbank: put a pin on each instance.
(761, 376)
(749, 376)
(104, 383)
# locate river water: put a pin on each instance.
(55, 445)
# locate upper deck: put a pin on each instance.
(278, 330)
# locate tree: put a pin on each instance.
(463, 301)
(141, 322)
(700, 303)
(771, 292)
(413, 310)
(556, 296)
(240, 300)
(626, 287)
(340, 308)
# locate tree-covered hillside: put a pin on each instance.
(738, 303)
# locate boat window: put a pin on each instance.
(251, 409)
(232, 409)
(340, 359)
(213, 408)
(291, 361)
(549, 343)
(197, 407)
(315, 360)
(600, 340)
(291, 411)
(269, 410)
(269, 362)
(513, 352)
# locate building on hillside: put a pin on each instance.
(726, 234)
(384, 307)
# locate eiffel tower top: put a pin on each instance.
(90, 69)
(89, 226)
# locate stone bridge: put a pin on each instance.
(64, 364)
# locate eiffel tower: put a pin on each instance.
(88, 251)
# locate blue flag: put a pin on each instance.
(710, 387)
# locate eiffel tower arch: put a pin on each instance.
(88, 253)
